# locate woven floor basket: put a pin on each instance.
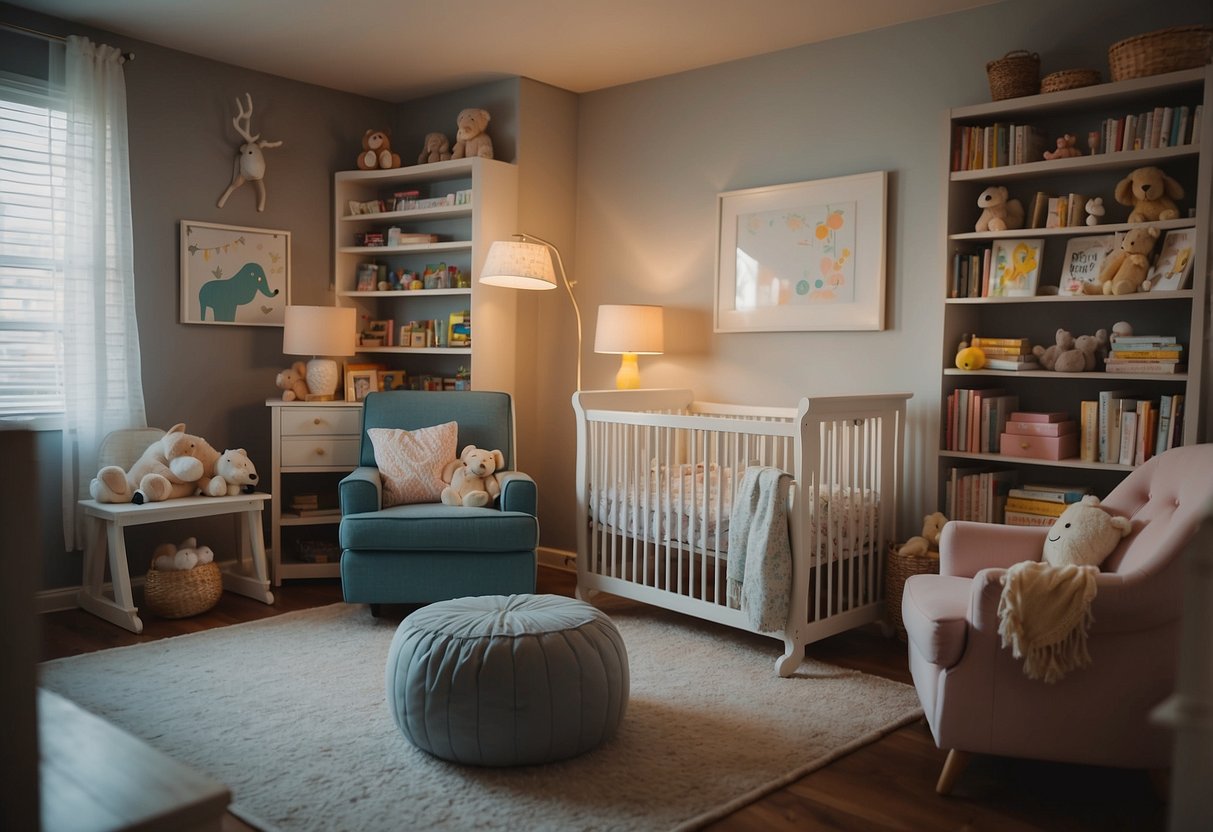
(1014, 75)
(1167, 50)
(1069, 79)
(180, 594)
(898, 569)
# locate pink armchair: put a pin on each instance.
(975, 694)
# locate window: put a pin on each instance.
(32, 128)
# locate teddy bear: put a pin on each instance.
(928, 542)
(292, 382)
(1070, 354)
(1084, 534)
(1151, 193)
(472, 478)
(1095, 210)
(1124, 271)
(437, 149)
(998, 212)
(1065, 148)
(168, 468)
(470, 138)
(377, 151)
(180, 558)
(235, 471)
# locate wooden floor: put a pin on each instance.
(886, 785)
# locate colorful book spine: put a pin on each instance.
(1045, 507)
(1020, 518)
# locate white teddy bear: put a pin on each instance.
(472, 478)
(234, 474)
(181, 558)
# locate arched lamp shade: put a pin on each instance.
(519, 265)
(321, 332)
(630, 330)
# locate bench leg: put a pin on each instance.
(121, 610)
(252, 549)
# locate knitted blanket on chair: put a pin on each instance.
(1044, 615)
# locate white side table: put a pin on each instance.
(107, 523)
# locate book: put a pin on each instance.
(1057, 487)
(1023, 362)
(999, 408)
(1106, 414)
(1063, 497)
(316, 512)
(1036, 416)
(1173, 268)
(1046, 507)
(1137, 355)
(1128, 438)
(1075, 210)
(1082, 262)
(1040, 210)
(1056, 215)
(1164, 423)
(1015, 267)
(1020, 344)
(1020, 518)
(1147, 426)
(1159, 367)
(1088, 448)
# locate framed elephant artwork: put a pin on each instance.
(233, 275)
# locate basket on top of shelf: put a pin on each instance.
(898, 570)
(1069, 79)
(1166, 50)
(171, 593)
(1014, 75)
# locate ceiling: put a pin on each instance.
(396, 50)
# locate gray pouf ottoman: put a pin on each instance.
(505, 681)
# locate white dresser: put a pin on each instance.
(315, 444)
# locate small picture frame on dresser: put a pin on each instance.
(358, 383)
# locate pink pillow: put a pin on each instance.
(411, 462)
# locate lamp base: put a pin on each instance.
(322, 376)
(628, 377)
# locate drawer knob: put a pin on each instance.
(1025, 445)
(317, 421)
(320, 452)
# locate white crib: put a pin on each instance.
(656, 472)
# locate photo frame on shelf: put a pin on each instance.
(1015, 267)
(358, 383)
(806, 256)
(233, 275)
(1082, 262)
(1172, 270)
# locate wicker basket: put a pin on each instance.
(180, 594)
(898, 569)
(1069, 79)
(1013, 75)
(1167, 50)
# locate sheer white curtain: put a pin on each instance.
(103, 390)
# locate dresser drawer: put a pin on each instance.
(321, 421)
(319, 450)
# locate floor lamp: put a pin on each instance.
(518, 264)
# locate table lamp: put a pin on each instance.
(629, 331)
(517, 264)
(321, 332)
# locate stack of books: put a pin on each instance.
(308, 505)
(1006, 353)
(976, 418)
(1037, 435)
(1040, 504)
(1154, 354)
(978, 494)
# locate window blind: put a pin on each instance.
(32, 128)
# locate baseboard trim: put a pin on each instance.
(64, 597)
(558, 559)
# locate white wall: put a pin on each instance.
(652, 157)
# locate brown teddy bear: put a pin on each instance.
(1065, 148)
(377, 151)
(1151, 193)
(998, 213)
(470, 138)
(1125, 270)
(437, 149)
(293, 382)
(1070, 354)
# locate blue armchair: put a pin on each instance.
(411, 554)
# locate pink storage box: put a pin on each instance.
(1042, 428)
(1039, 447)
(1033, 416)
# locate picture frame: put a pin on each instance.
(1083, 261)
(393, 380)
(1172, 271)
(1015, 267)
(806, 256)
(358, 383)
(234, 275)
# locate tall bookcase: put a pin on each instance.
(464, 233)
(1182, 313)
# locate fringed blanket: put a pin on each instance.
(760, 553)
(1044, 614)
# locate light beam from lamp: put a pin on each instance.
(518, 264)
(629, 330)
(321, 332)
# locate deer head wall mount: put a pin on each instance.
(249, 165)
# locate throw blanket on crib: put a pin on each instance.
(1044, 614)
(760, 553)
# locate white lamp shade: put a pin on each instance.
(319, 330)
(518, 265)
(630, 329)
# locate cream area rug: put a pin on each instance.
(290, 713)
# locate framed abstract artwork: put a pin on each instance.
(233, 275)
(803, 256)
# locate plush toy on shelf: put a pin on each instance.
(998, 211)
(969, 357)
(470, 138)
(1095, 210)
(377, 151)
(1151, 193)
(1125, 270)
(1070, 354)
(1065, 148)
(472, 478)
(292, 383)
(928, 542)
(169, 467)
(437, 149)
